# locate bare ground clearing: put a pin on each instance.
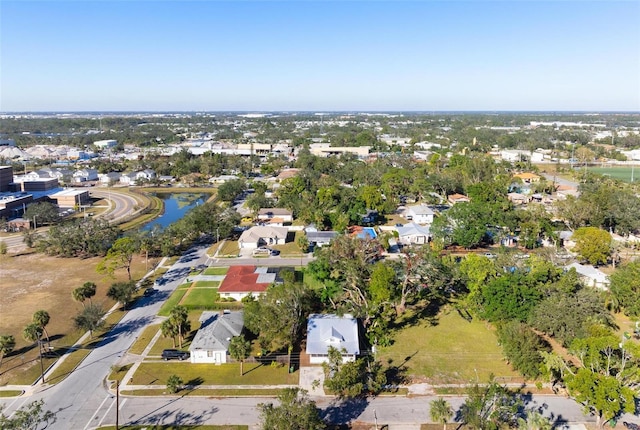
(30, 282)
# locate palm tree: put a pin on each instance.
(168, 330)
(7, 343)
(534, 421)
(179, 318)
(440, 411)
(86, 291)
(32, 333)
(41, 318)
(239, 349)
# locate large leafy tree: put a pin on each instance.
(489, 407)
(295, 411)
(593, 244)
(352, 378)
(42, 213)
(122, 292)
(278, 317)
(625, 286)
(119, 256)
(603, 395)
(82, 237)
(522, 347)
(509, 297)
(91, 319)
(32, 417)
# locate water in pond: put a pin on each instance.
(176, 205)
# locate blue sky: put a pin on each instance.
(327, 55)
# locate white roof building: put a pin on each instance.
(326, 330)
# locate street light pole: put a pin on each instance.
(41, 363)
(35, 226)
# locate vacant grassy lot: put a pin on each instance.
(210, 374)
(31, 282)
(452, 351)
(230, 249)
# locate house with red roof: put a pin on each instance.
(241, 281)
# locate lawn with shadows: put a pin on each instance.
(157, 373)
(213, 271)
(173, 300)
(143, 340)
(455, 350)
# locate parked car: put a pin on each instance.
(170, 354)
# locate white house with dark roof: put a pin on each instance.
(280, 215)
(326, 330)
(211, 342)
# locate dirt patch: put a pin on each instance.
(31, 282)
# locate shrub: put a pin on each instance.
(174, 384)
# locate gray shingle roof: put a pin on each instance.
(216, 330)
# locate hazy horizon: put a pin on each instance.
(320, 56)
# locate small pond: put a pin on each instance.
(176, 205)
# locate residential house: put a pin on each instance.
(217, 180)
(128, 178)
(527, 177)
(145, 175)
(242, 281)
(320, 238)
(419, 214)
(457, 198)
(85, 175)
(275, 216)
(262, 235)
(517, 198)
(326, 330)
(109, 178)
(413, 234)
(591, 276)
(211, 342)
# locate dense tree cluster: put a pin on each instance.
(82, 237)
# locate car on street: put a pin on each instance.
(149, 292)
(170, 354)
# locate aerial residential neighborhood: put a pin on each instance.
(319, 215)
(340, 274)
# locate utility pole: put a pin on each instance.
(117, 404)
(41, 363)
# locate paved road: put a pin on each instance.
(82, 398)
(123, 205)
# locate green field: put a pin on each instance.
(200, 298)
(452, 351)
(216, 271)
(621, 173)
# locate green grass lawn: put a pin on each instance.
(166, 342)
(215, 271)
(229, 249)
(173, 300)
(10, 393)
(622, 173)
(200, 298)
(143, 340)
(211, 374)
(452, 351)
(206, 284)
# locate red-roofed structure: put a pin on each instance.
(240, 281)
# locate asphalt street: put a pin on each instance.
(82, 401)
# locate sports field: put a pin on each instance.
(623, 173)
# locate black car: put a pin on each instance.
(169, 354)
(149, 291)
